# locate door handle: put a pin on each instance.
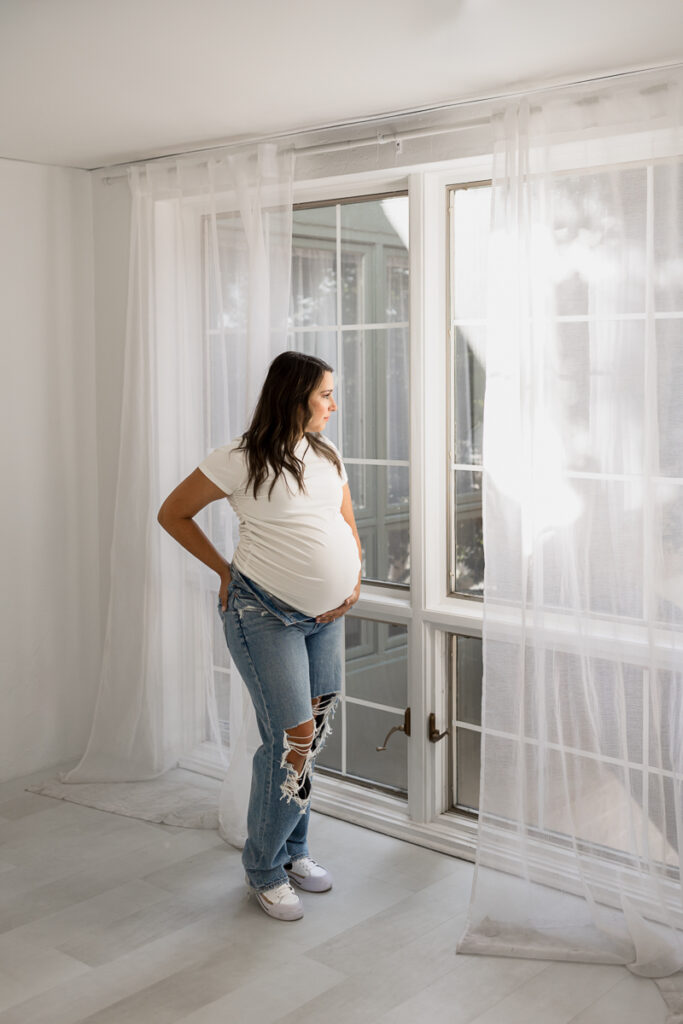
(434, 734)
(397, 728)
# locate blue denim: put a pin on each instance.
(286, 659)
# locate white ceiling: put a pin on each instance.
(89, 83)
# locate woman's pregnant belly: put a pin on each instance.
(311, 565)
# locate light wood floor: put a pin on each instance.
(112, 920)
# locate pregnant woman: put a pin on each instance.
(295, 573)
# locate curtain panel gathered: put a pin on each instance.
(581, 802)
(208, 303)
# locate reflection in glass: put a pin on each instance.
(381, 508)
(376, 672)
(397, 285)
(470, 223)
(376, 374)
(374, 245)
(314, 267)
(367, 728)
(469, 533)
(470, 382)
(377, 668)
(468, 677)
(331, 754)
(468, 768)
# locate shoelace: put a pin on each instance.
(280, 893)
(306, 863)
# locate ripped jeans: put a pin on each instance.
(287, 661)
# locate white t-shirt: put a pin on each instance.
(296, 546)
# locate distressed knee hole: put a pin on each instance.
(299, 741)
(323, 711)
(296, 760)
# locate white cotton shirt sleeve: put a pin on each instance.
(225, 467)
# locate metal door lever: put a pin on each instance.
(397, 728)
(434, 734)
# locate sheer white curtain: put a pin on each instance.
(209, 293)
(581, 804)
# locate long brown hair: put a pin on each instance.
(280, 416)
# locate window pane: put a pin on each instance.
(367, 728)
(470, 381)
(470, 222)
(466, 688)
(374, 245)
(322, 344)
(596, 384)
(668, 231)
(469, 535)
(331, 754)
(469, 239)
(368, 239)
(614, 585)
(380, 502)
(376, 670)
(599, 222)
(376, 409)
(468, 768)
(668, 513)
(670, 396)
(397, 285)
(314, 267)
(468, 676)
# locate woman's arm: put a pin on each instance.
(347, 513)
(175, 515)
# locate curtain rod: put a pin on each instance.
(382, 137)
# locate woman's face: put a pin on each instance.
(321, 403)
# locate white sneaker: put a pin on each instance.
(308, 875)
(280, 902)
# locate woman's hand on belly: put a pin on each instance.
(336, 613)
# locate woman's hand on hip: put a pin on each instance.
(336, 613)
(223, 590)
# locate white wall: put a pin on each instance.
(111, 216)
(50, 607)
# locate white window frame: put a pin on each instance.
(428, 610)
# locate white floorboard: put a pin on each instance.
(111, 920)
